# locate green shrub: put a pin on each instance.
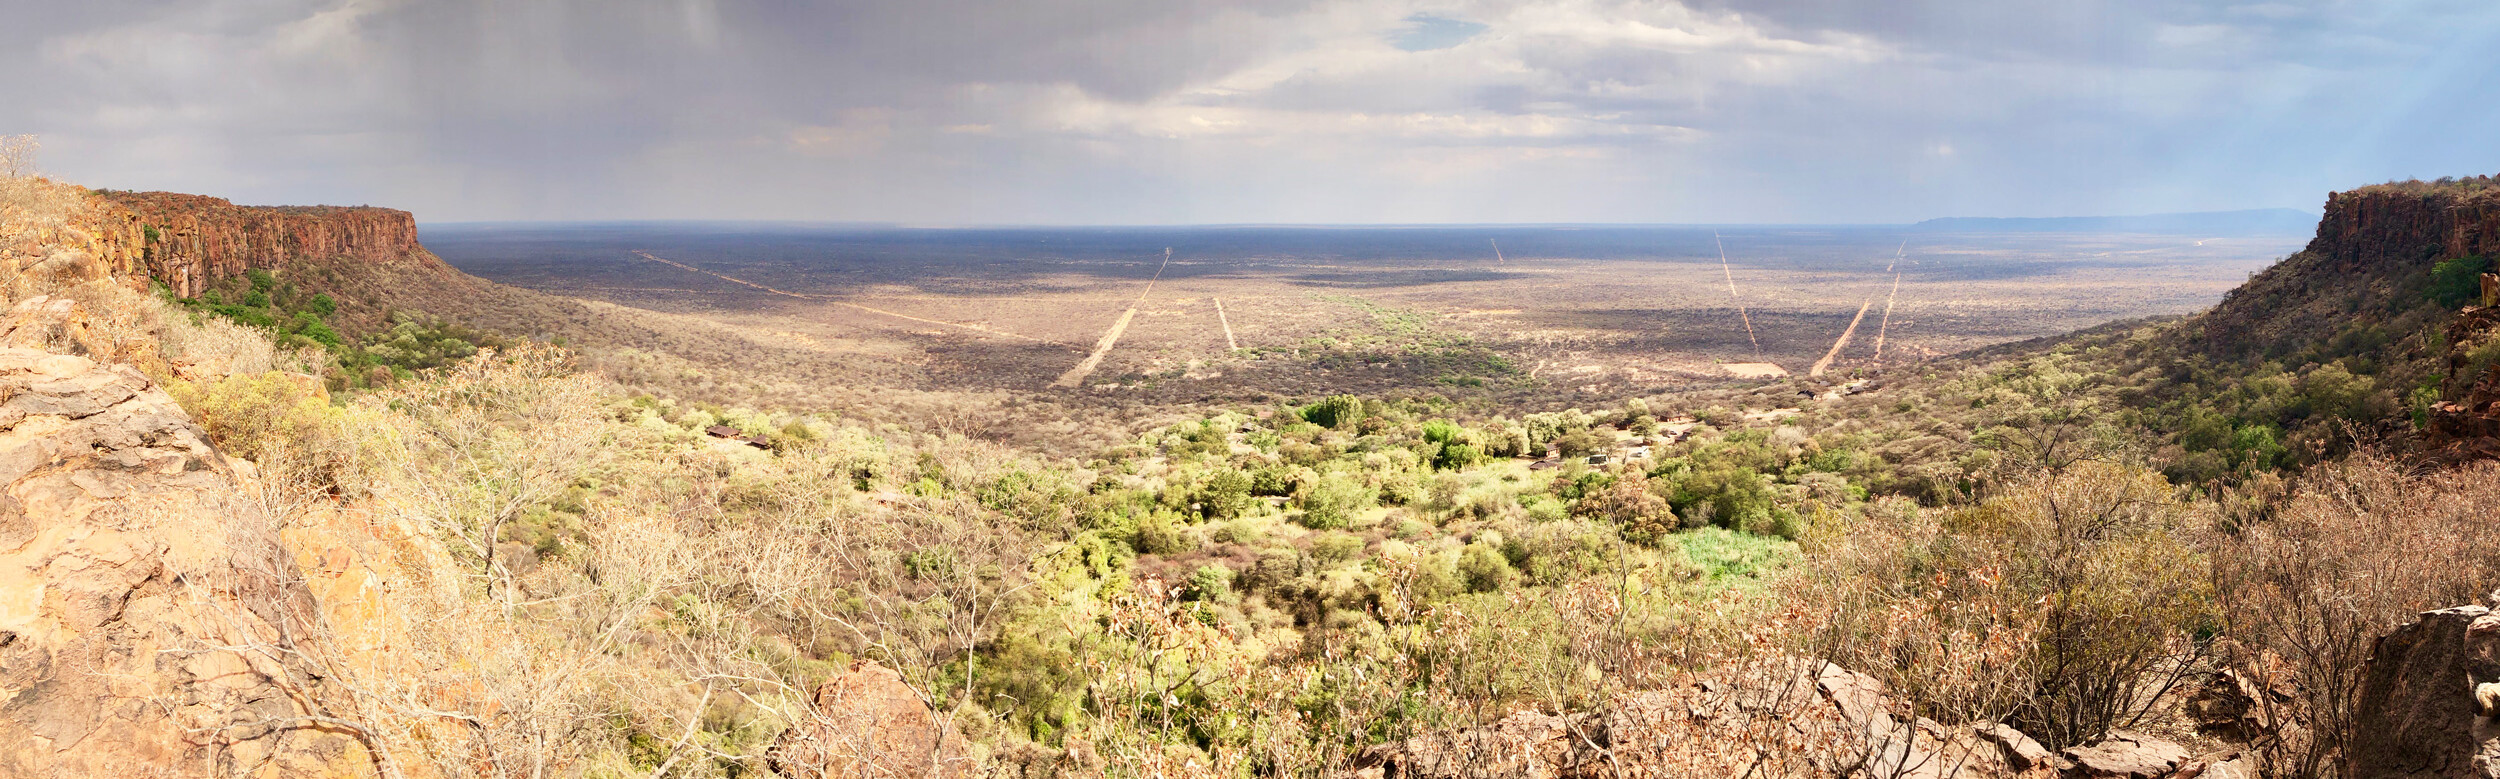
(1335, 548)
(309, 325)
(1163, 533)
(1209, 583)
(1331, 501)
(1483, 568)
(256, 417)
(1223, 494)
(2459, 281)
(1582, 443)
(1334, 412)
(1641, 516)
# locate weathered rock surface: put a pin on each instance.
(146, 619)
(2469, 426)
(2021, 751)
(2417, 714)
(2126, 756)
(869, 723)
(2226, 706)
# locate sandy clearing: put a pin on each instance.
(1754, 370)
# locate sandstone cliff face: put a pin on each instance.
(150, 622)
(202, 239)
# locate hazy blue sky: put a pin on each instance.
(1130, 111)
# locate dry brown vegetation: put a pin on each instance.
(2307, 580)
(533, 560)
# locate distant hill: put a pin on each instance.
(2263, 221)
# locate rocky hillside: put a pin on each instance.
(2365, 284)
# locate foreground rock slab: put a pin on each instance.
(2126, 756)
(149, 617)
(2417, 715)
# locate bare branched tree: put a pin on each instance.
(17, 155)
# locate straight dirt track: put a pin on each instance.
(1829, 356)
(1076, 376)
(1229, 343)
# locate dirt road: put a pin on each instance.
(1076, 376)
(1229, 343)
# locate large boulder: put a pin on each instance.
(149, 618)
(2418, 715)
(868, 722)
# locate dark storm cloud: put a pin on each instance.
(1286, 110)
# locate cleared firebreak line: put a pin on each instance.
(1731, 293)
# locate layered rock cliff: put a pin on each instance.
(198, 239)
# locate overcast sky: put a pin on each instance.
(1134, 112)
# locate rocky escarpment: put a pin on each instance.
(2368, 267)
(149, 617)
(192, 240)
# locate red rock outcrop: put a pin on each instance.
(2468, 427)
(869, 723)
(202, 239)
(55, 236)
